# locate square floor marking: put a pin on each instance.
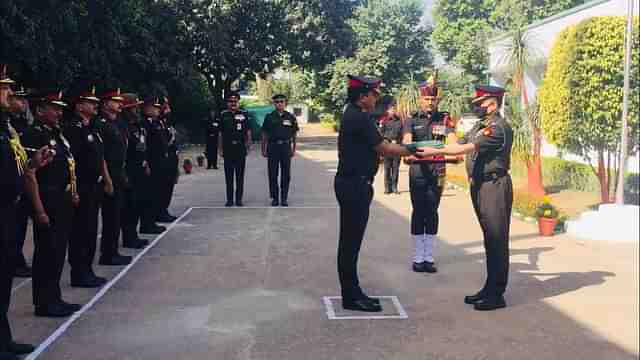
(391, 309)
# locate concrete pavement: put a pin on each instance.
(248, 283)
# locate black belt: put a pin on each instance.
(280, 142)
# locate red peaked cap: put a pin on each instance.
(363, 82)
(4, 75)
(112, 94)
(50, 97)
(88, 94)
(486, 91)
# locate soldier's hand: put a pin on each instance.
(42, 157)
(42, 219)
(108, 188)
(75, 199)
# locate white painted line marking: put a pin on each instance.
(331, 313)
(62, 328)
(20, 285)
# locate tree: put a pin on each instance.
(391, 45)
(591, 69)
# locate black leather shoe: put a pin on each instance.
(284, 203)
(490, 303)
(116, 260)
(239, 203)
(8, 356)
(429, 267)
(361, 305)
(373, 300)
(275, 202)
(229, 204)
(72, 307)
(418, 267)
(54, 310)
(85, 281)
(23, 271)
(215, 168)
(152, 229)
(20, 349)
(472, 299)
(166, 218)
(387, 192)
(135, 244)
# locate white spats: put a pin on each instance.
(429, 241)
(419, 249)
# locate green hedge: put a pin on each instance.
(562, 174)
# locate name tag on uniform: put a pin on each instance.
(90, 138)
(286, 123)
(238, 126)
(215, 124)
(419, 126)
(240, 117)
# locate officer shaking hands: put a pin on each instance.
(488, 145)
(279, 146)
(359, 146)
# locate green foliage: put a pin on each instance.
(407, 98)
(526, 204)
(554, 94)
(457, 90)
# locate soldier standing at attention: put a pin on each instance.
(53, 196)
(279, 146)
(137, 173)
(488, 145)
(157, 155)
(18, 108)
(173, 171)
(115, 150)
(234, 146)
(88, 150)
(14, 167)
(391, 129)
(359, 146)
(213, 131)
(427, 175)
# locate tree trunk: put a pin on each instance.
(603, 178)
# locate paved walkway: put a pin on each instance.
(249, 283)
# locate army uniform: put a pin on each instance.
(137, 181)
(391, 130)
(280, 129)
(158, 158)
(212, 133)
(492, 196)
(56, 184)
(12, 166)
(115, 150)
(357, 167)
(21, 123)
(87, 147)
(171, 175)
(234, 127)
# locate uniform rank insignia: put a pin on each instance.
(239, 117)
(238, 126)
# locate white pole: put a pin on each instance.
(625, 104)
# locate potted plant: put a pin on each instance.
(547, 217)
(187, 166)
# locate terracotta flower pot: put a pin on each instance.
(547, 226)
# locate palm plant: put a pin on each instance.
(520, 57)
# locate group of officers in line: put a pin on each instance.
(65, 159)
(370, 128)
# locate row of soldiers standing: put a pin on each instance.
(89, 155)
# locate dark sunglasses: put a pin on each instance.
(279, 101)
